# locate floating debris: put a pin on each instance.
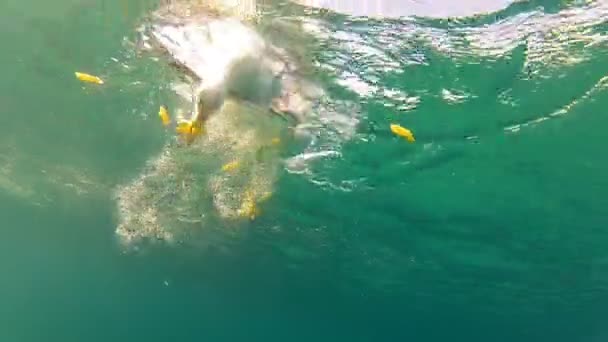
(88, 78)
(403, 132)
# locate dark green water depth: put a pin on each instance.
(493, 226)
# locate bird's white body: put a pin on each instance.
(229, 58)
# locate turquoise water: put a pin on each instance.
(490, 227)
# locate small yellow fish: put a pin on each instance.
(196, 129)
(233, 165)
(275, 141)
(184, 127)
(403, 132)
(189, 130)
(88, 78)
(248, 207)
(164, 116)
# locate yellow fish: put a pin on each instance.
(196, 129)
(184, 128)
(164, 116)
(233, 165)
(403, 132)
(275, 141)
(189, 130)
(248, 207)
(88, 78)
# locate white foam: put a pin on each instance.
(300, 163)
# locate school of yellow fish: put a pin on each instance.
(190, 130)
